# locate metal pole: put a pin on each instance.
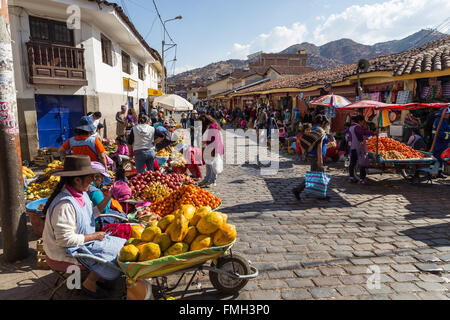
(163, 87)
(438, 128)
(12, 207)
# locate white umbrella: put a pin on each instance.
(173, 102)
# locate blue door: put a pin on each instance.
(57, 117)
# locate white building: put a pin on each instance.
(62, 73)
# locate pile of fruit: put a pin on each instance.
(186, 229)
(163, 153)
(386, 146)
(27, 172)
(45, 189)
(54, 166)
(186, 195)
(140, 182)
(155, 192)
(147, 217)
(177, 159)
(392, 155)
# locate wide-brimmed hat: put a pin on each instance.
(76, 166)
(97, 166)
(86, 124)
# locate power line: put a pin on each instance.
(162, 22)
(140, 5)
(125, 9)
(444, 24)
(151, 28)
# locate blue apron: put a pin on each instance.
(108, 249)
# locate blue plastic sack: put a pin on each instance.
(316, 183)
(294, 146)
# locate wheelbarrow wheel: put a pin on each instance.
(231, 264)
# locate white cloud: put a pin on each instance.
(279, 38)
(383, 21)
(367, 24)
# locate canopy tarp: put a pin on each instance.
(365, 104)
(173, 102)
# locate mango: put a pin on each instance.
(177, 248)
(163, 240)
(210, 223)
(201, 242)
(188, 211)
(199, 214)
(149, 251)
(225, 235)
(165, 222)
(129, 253)
(136, 231)
(190, 235)
(149, 233)
(178, 228)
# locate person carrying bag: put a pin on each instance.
(314, 145)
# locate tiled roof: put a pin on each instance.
(286, 70)
(432, 56)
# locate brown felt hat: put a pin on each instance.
(76, 166)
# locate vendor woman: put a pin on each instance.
(442, 137)
(70, 226)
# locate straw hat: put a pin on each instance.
(76, 166)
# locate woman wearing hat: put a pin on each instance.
(70, 226)
(84, 143)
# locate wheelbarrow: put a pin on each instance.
(228, 272)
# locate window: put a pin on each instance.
(141, 71)
(126, 63)
(50, 31)
(106, 50)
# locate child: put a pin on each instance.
(194, 160)
(122, 153)
(307, 127)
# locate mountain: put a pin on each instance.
(329, 55)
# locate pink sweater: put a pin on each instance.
(122, 150)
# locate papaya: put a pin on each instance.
(225, 235)
(190, 235)
(178, 228)
(129, 253)
(149, 251)
(210, 223)
(201, 242)
(188, 211)
(134, 241)
(199, 214)
(225, 217)
(165, 222)
(149, 233)
(163, 240)
(136, 231)
(177, 248)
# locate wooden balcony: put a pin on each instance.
(56, 64)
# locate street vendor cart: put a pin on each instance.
(413, 170)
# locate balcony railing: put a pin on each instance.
(56, 64)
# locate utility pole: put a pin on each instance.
(12, 206)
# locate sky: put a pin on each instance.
(216, 30)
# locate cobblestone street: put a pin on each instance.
(327, 249)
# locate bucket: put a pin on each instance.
(37, 219)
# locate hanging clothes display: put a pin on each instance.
(384, 119)
(446, 90)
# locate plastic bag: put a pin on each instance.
(316, 183)
(217, 164)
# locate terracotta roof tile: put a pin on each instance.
(432, 56)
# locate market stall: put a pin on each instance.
(389, 155)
